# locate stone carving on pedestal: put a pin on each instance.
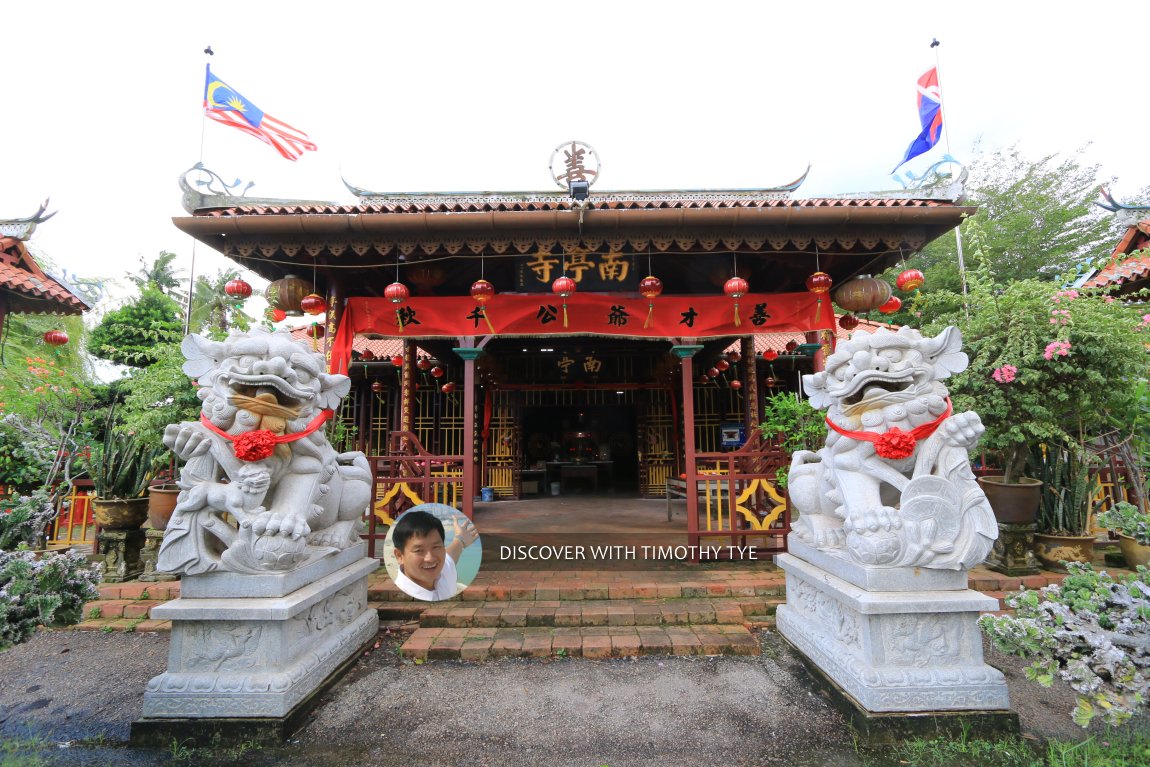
(265, 534)
(889, 519)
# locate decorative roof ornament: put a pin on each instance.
(205, 188)
(574, 161)
(1127, 215)
(22, 228)
(945, 180)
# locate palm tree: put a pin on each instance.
(161, 275)
(213, 310)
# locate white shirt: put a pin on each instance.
(446, 585)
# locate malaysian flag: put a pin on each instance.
(224, 105)
(929, 116)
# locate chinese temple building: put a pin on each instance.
(580, 341)
(24, 287)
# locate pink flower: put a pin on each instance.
(1005, 374)
(1059, 348)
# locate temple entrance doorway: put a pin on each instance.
(581, 449)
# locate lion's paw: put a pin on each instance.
(962, 430)
(287, 525)
(872, 520)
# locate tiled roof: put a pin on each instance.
(1124, 267)
(31, 291)
(621, 201)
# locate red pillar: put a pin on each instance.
(469, 485)
(685, 353)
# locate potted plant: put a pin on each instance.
(1133, 528)
(1042, 359)
(1069, 488)
(790, 422)
(121, 468)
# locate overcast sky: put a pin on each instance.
(103, 101)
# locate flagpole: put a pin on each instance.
(192, 272)
(935, 44)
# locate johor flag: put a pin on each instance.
(929, 114)
(224, 105)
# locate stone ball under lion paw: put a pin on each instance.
(881, 548)
(279, 552)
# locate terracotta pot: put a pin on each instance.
(116, 514)
(161, 504)
(1051, 550)
(1136, 554)
(1013, 504)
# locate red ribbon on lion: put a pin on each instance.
(260, 444)
(894, 443)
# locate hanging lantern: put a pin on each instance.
(367, 356)
(397, 360)
(423, 363)
(277, 315)
(481, 292)
(736, 384)
(770, 382)
(736, 288)
(377, 386)
(713, 372)
(722, 364)
(437, 372)
(426, 276)
(704, 378)
(891, 306)
(238, 289)
(447, 388)
(650, 288)
(286, 294)
(564, 287)
(55, 338)
(770, 355)
(910, 279)
(791, 346)
(848, 322)
(397, 293)
(313, 304)
(862, 294)
(819, 283)
(734, 356)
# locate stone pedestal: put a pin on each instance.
(152, 540)
(1013, 552)
(257, 647)
(893, 640)
(121, 552)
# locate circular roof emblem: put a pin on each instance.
(574, 161)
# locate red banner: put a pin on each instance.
(693, 317)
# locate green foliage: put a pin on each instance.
(1091, 631)
(1075, 358)
(158, 395)
(792, 422)
(965, 751)
(42, 591)
(1127, 519)
(158, 275)
(123, 464)
(24, 520)
(129, 336)
(1068, 488)
(215, 312)
(23, 461)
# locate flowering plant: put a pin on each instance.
(1046, 365)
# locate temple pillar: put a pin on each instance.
(469, 355)
(685, 354)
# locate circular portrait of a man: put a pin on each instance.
(432, 552)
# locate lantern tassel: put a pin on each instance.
(399, 320)
(650, 312)
(818, 309)
(564, 314)
(736, 313)
(487, 319)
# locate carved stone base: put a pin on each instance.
(1013, 552)
(892, 651)
(121, 552)
(260, 657)
(152, 540)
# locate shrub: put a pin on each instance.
(42, 591)
(24, 520)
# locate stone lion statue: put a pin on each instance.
(259, 454)
(893, 485)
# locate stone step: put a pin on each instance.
(530, 590)
(559, 613)
(477, 644)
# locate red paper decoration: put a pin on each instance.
(447, 388)
(481, 292)
(316, 330)
(564, 286)
(736, 288)
(238, 289)
(770, 355)
(736, 384)
(734, 356)
(722, 364)
(377, 386)
(819, 283)
(55, 338)
(770, 382)
(713, 372)
(423, 363)
(848, 322)
(891, 306)
(910, 279)
(396, 292)
(313, 304)
(437, 372)
(254, 445)
(397, 360)
(650, 287)
(791, 346)
(367, 356)
(277, 315)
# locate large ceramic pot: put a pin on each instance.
(161, 504)
(1015, 503)
(1136, 554)
(116, 514)
(1052, 550)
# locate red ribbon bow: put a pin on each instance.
(895, 443)
(260, 444)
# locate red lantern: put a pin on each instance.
(367, 356)
(564, 287)
(377, 386)
(819, 283)
(397, 360)
(848, 322)
(722, 364)
(770, 382)
(704, 378)
(734, 356)
(650, 288)
(736, 288)
(277, 315)
(770, 355)
(862, 294)
(423, 363)
(238, 289)
(447, 388)
(316, 330)
(55, 338)
(396, 292)
(736, 384)
(481, 293)
(891, 306)
(910, 279)
(437, 372)
(791, 346)
(713, 372)
(313, 303)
